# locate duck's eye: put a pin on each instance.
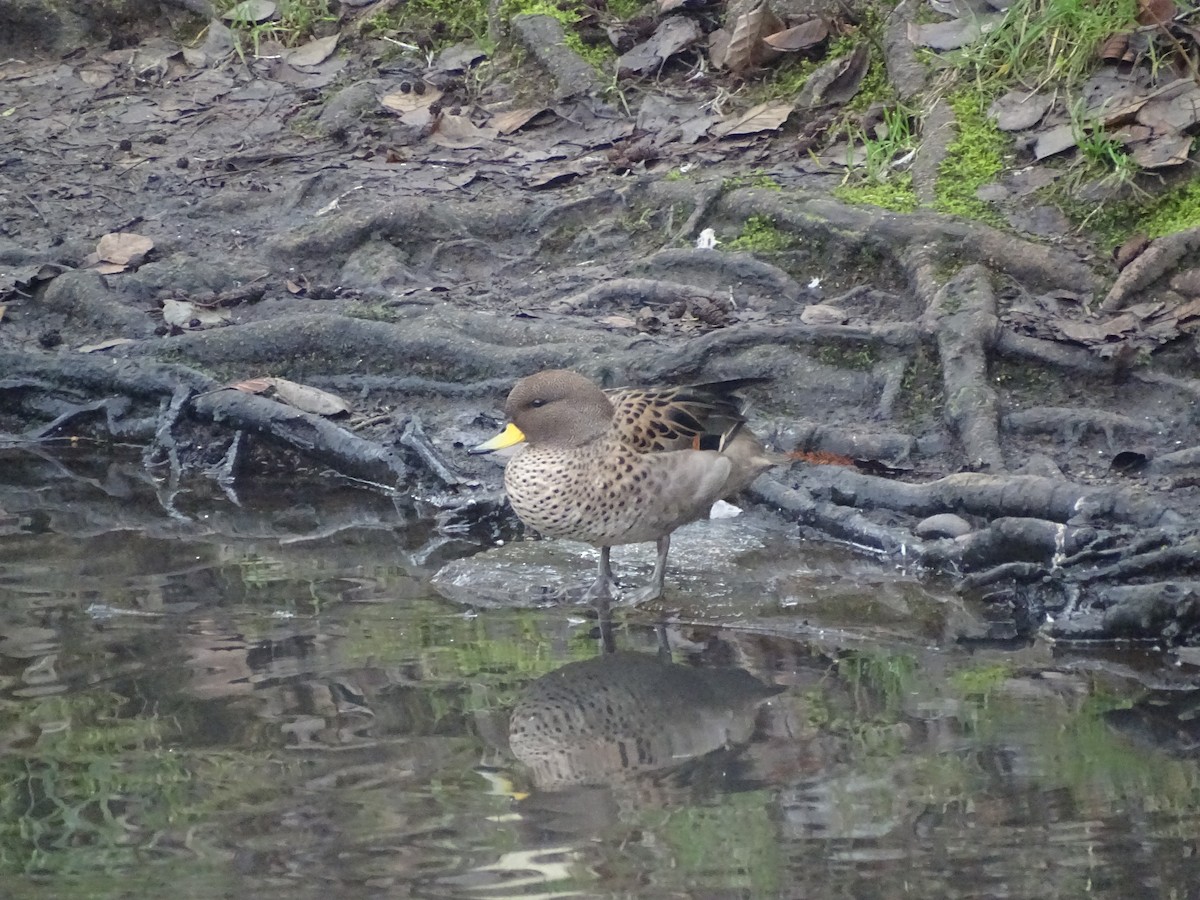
(537, 403)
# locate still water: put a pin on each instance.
(262, 695)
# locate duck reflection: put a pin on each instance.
(624, 714)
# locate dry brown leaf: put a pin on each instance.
(3, 309)
(182, 314)
(460, 133)
(313, 53)
(838, 80)
(307, 398)
(411, 100)
(253, 386)
(617, 322)
(516, 119)
(123, 248)
(799, 37)
(104, 345)
(764, 117)
(950, 35)
(1177, 112)
(747, 50)
(1116, 49)
(1156, 12)
(1162, 151)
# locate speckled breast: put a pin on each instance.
(598, 494)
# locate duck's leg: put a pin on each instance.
(654, 589)
(602, 587)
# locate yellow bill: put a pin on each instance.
(509, 437)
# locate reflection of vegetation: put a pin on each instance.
(731, 846)
(98, 789)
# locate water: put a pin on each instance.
(206, 699)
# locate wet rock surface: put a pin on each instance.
(415, 257)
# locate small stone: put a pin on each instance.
(943, 525)
(1186, 282)
(823, 314)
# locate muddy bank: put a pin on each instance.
(966, 404)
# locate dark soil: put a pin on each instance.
(306, 232)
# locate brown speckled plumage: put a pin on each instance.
(626, 466)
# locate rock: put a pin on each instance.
(943, 525)
(1186, 282)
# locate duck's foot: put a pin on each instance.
(601, 590)
(643, 595)
(654, 589)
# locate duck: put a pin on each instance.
(624, 466)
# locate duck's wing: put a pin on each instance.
(697, 416)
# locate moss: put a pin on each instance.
(973, 159)
(757, 178)
(568, 13)
(896, 194)
(1174, 210)
(860, 359)
(761, 235)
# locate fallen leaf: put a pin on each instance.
(1018, 110)
(458, 58)
(307, 398)
(1175, 113)
(460, 133)
(838, 80)
(104, 345)
(313, 53)
(1131, 250)
(799, 37)
(1156, 12)
(950, 35)
(123, 248)
(764, 117)
(617, 322)
(1162, 151)
(182, 314)
(253, 386)
(672, 36)
(516, 119)
(746, 49)
(415, 100)
(1054, 140)
(252, 11)
(3, 309)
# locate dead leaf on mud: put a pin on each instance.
(252, 11)
(740, 47)
(1161, 150)
(183, 314)
(118, 250)
(516, 119)
(616, 322)
(413, 104)
(799, 37)
(457, 59)
(1054, 140)
(1018, 110)
(313, 53)
(460, 133)
(764, 117)
(838, 80)
(569, 172)
(672, 36)
(302, 396)
(1177, 112)
(104, 345)
(1156, 12)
